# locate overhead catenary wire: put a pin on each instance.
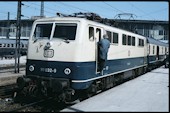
(151, 13)
(114, 7)
(146, 14)
(54, 10)
(100, 8)
(141, 11)
(73, 8)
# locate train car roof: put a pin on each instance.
(9, 41)
(157, 42)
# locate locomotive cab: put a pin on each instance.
(55, 57)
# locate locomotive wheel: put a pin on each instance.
(87, 93)
(133, 74)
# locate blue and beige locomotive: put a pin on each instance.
(62, 59)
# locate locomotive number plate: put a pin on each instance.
(49, 53)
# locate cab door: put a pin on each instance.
(95, 33)
(98, 37)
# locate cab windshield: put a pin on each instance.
(66, 31)
(42, 31)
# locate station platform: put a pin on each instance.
(9, 77)
(146, 93)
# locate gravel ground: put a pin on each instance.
(8, 105)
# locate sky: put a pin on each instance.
(143, 10)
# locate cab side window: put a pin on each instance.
(91, 33)
(123, 39)
(133, 41)
(98, 33)
(129, 40)
(109, 35)
(115, 37)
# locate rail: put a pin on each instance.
(10, 68)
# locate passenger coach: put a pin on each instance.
(157, 52)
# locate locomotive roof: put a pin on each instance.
(151, 40)
(59, 18)
(156, 42)
(46, 19)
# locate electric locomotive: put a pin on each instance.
(62, 59)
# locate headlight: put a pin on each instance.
(67, 71)
(31, 68)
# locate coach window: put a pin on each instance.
(109, 35)
(115, 37)
(153, 49)
(129, 40)
(124, 39)
(149, 49)
(165, 50)
(0, 45)
(8, 45)
(133, 41)
(91, 33)
(4, 45)
(142, 41)
(12, 45)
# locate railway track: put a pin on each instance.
(26, 104)
(7, 90)
(10, 68)
(34, 105)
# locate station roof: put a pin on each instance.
(142, 21)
